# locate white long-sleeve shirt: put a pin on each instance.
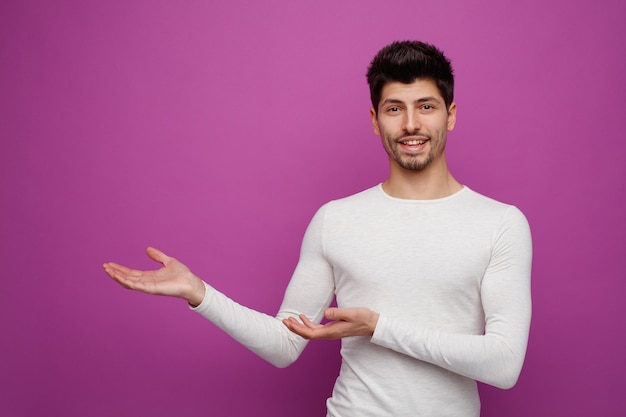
(450, 279)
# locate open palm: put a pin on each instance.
(173, 279)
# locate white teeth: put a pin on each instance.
(414, 142)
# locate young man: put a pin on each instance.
(432, 280)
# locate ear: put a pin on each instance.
(374, 122)
(452, 116)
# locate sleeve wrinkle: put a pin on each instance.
(309, 292)
(258, 332)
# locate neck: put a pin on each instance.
(427, 184)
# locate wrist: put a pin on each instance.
(373, 323)
(196, 293)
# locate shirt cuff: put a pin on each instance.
(204, 304)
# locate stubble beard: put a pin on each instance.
(410, 162)
(413, 163)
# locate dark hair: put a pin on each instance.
(407, 61)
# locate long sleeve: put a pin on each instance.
(495, 357)
(309, 292)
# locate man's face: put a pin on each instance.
(413, 122)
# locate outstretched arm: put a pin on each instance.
(309, 293)
(261, 333)
(174, 279)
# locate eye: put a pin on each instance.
(393, 109)
(427, 108)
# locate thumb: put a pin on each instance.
(157, 255)
(333, 313)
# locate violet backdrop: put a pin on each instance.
(214, 130)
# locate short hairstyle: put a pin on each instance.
(407, 61)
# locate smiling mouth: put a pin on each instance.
(413, 142)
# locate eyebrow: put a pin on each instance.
(419, 100)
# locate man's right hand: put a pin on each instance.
(174, 279)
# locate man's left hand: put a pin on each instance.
(345, 322)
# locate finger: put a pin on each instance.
(112, 268)
(157, 255)
(108, 269)
(128, 278)
(296, 327)
(293, 323)
(334, 313)
(134, 282)
(120, 278)
(308, 323)
(118, 273)
(290, 323)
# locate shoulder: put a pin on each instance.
(503, 217)
(479, 202)
(360, 199)
(349, 208)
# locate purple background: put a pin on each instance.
(214, 130)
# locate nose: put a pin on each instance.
(411, 122)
